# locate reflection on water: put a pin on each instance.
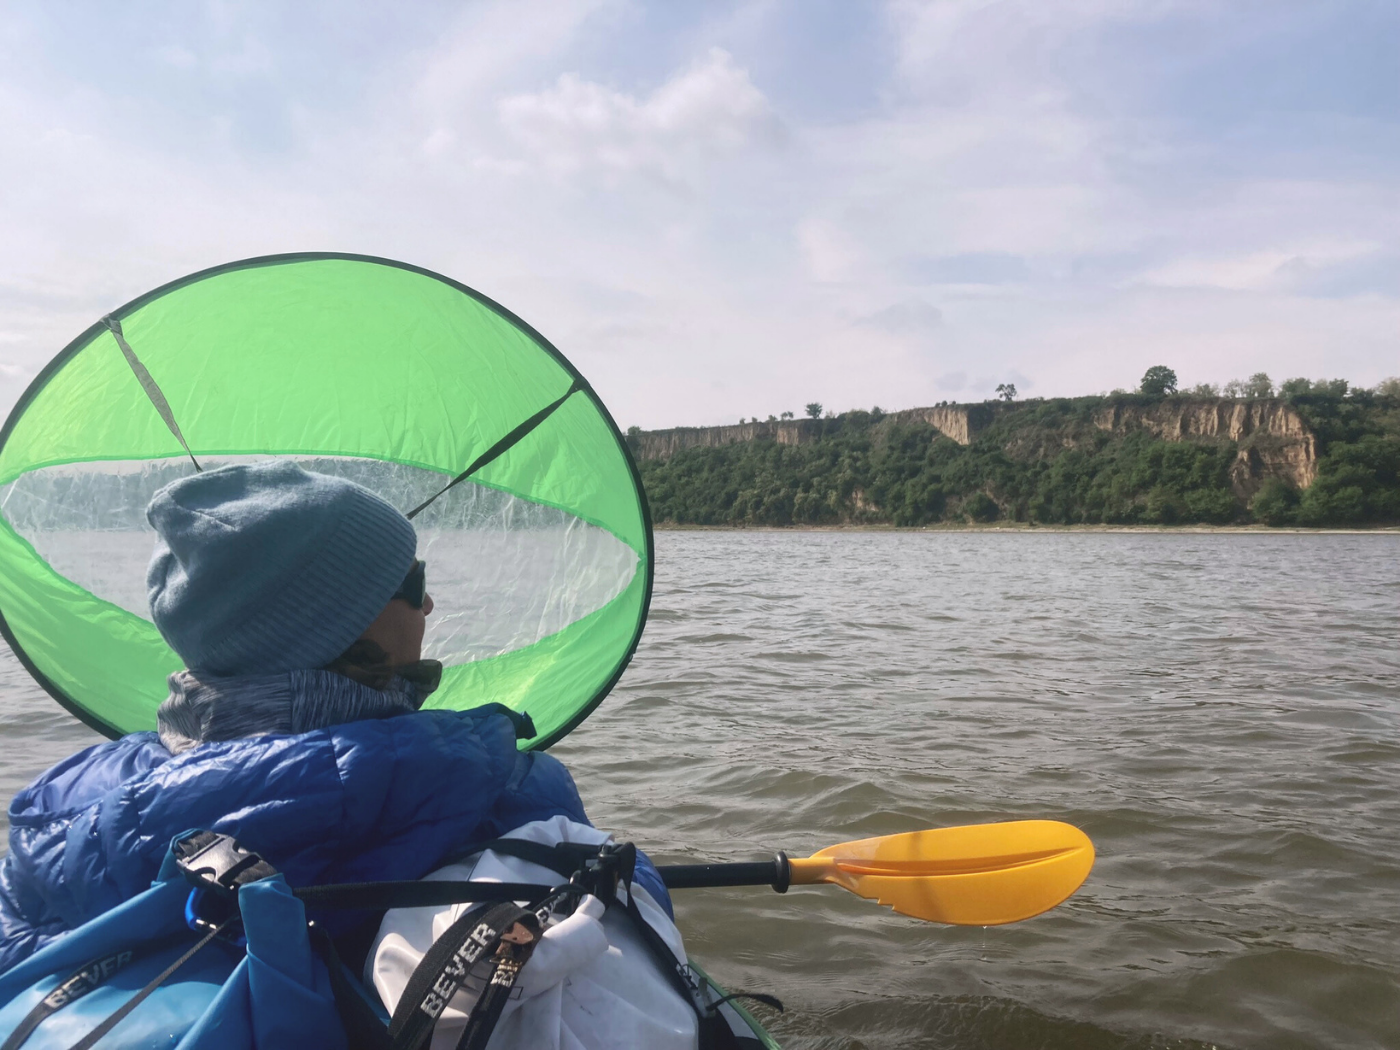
(1221, 713)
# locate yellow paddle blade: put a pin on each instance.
(978, 875)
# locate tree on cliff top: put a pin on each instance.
(814, 409)
(1259, 385)
(1300, 387)
(1158, 381)
(1007, 391)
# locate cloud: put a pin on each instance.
(1051, 174)
(458, 75)
(972, 268)
(1272, 270)
(952, 382)
(1021, 381)
(910, 317)
(708, 110)
(178, 56)
(1373, 274)
(829, 251)
(1256, 271)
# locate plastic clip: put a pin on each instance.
(600, 874)
(215, 862)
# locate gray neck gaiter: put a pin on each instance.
(204, 709)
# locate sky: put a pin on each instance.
(730, 209)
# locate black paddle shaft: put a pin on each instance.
(776, 873)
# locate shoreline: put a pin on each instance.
(1027, 528)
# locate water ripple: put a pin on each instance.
(1221, 713)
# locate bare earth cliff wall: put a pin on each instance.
(1273, 439)
(960, 422)
(663, 444)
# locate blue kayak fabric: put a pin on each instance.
(362, 801)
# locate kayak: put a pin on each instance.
(756, 1038)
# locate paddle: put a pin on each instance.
(977, 875)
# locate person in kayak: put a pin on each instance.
(298, 605)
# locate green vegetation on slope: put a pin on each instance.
(1358, 467)
(1042, 461)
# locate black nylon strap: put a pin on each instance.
(487, 1011)
(149, 385)
(86, 978)
(567, 857)
(562, 858)
(381, 896)
(715, 1033)
(500, 447)
(446, 965)
(363, 1028)
(714, 1030)
(115, 1018)
(445, 968)
(758, 997)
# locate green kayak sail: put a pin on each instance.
(539, 556)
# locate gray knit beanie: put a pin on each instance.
(265, 567)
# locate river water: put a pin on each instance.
(1220, 712)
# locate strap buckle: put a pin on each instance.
(211, 861)
(613, 863)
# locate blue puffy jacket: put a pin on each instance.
(377, 799)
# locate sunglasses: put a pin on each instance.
(415, 585)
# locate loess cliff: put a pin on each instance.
(1126, 458)
(1272, 437)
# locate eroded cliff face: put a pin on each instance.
(962, 423)
(1179, 419)
(1274, 440)
(663, 444)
